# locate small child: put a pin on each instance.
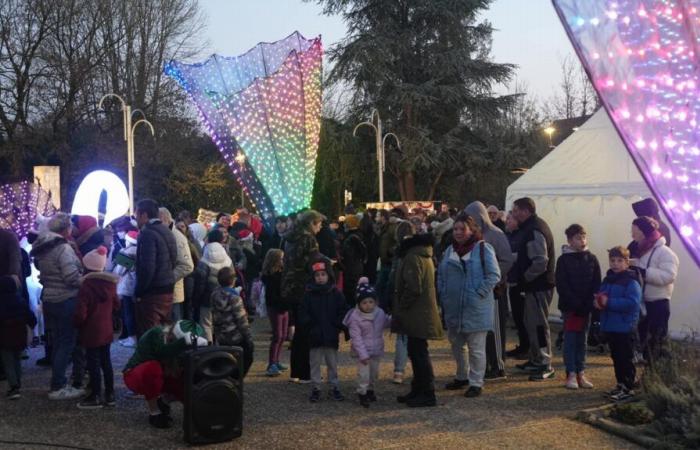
(125, 269)
(276, 308)
(229, 317)
(321, 313)
(619, 301)
(366, 323)
(577, 281)
(15, 317)
(97, 300)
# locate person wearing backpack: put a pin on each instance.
(467, 275)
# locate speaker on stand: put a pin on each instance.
(213, 406)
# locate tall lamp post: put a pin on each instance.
(240, 160)
(375, 122)
(129, 129)
(550, 131)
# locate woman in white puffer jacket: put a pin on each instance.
(659, 266)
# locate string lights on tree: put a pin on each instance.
(266, 106)
(20, 204)
(642, 57)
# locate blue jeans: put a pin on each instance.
(401, 353)
(59, 319)
(128, 317)
(575, 351)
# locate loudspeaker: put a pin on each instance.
(213, 404)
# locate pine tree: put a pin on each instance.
(425, 65)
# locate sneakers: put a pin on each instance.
(109, 400)
(336, 395)
(456, 384)
(495, 375)
(13, 394)
(542, 375)
(129, 342)
(163, 406)
(571, 381)
(623, 394)
(530, 367)
(272, 370)
(583, 381)
(614, 391)
(422, 400)
(364, 401)
(66, 393)
(91, 402)
(473, 391)
(370, 396)
(299, 381)
(518, 353)
(406, 397)
(281, 367)
(398, 378)
(315, 396)
(160, 420)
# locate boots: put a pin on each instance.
(422, 399)
(364, 400)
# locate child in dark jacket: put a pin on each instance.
(276, 308)
(229, 316)
(577, 281)
(322, 312)
(97, 301)
(619, 301)
(15, 317)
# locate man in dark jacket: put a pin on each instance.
(156, 257)
(387, 244)
(535, 272)
(353, 258)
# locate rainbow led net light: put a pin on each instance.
(265, 104)
(20, 203)
(642, 58)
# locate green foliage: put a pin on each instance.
(632, 414)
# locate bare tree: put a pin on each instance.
(576, 96)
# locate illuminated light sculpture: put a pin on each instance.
(21, 203)
(642, 58)
(87, 197)
(265, 105)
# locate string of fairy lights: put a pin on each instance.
(263, 111)
(642, 56)
(20, 204)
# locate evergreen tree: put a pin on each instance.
(425, 65)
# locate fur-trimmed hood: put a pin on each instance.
(425, 241)
(46, 242)
(104, 276)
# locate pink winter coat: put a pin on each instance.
(367, 331)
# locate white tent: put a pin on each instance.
(590, 179)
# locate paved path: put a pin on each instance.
(512, 413)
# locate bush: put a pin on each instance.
(632, 414)
(672, 386)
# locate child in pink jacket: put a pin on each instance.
(366, 323)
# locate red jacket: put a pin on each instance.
(97, 300)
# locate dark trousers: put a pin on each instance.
(99, 360)
(517, 308)
(300, 366)
(496, 340)
(128, 319)
(653, 328)
(423, 377)
(384, 287)
(622, 353)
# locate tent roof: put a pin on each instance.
(592, 161)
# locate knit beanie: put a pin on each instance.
(320, 266)
(83, 223)
(132, 237)
(95, 260)
(365, 290)
(646, 225)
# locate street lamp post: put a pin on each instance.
(380, 142)
(129, 129)
(240, 160)
(550, 131)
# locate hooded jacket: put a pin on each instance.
(387, 241)
(322, 311)
(183, 265)
(156, 256)
(624, 299)
(15, 316)
(214, 259)
(648, 207)
(493, 236)
(660, 266)
(367, 332)
(97, 301)
(577, 279)
(300, 249)
(229, 317)
(59, 267)
(414, 306)
(535, 263)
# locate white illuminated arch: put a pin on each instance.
(87, 198)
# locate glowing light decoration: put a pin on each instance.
(649, 90)
(20, 204)
(265, 105)
(87, 197)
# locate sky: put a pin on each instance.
(528, 33)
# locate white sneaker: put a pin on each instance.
(398, 378)
(66, 393)
(571, 381)
(583, 381)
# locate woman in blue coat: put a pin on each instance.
(467, 275)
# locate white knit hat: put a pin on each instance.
(96, 260)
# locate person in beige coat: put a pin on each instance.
(183, 265)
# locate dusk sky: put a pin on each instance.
(528, 32)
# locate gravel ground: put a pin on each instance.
(512, 413)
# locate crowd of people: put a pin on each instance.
(167, 283)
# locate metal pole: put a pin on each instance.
(132, 160)
(380, 156)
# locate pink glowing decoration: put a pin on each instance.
(20, 204)
(649, 90)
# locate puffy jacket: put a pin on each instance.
(624, 299)
(367, 332)
(229, 317)
(125, 269)
(156, 257)
(206, 272)
(660, 266)
(273, 295)
(300, 249)
(414, 305)
(97, 300)
(465, 288)
(321, 313)
(183, 265)
(577, 279)
(493, 236)
(59, 267)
